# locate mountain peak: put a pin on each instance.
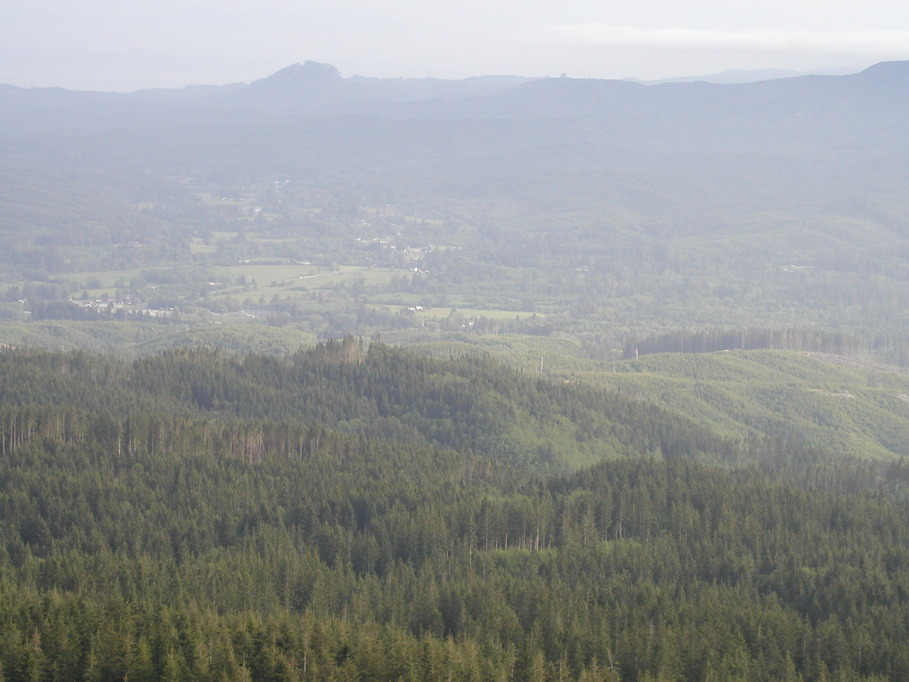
(305, 85)
(888, 71)
(309, 69)
(309, 73)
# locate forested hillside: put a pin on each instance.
(830, 401)
(470, 403)
(353, 513)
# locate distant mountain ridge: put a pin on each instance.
(733, 76)
(308, 119)
(314, 89)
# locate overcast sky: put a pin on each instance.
(132, 44)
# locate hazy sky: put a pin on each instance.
(132, 44)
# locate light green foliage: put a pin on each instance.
(857, 410)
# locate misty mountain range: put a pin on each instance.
(685, 154)
(873, 97)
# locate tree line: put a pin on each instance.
(814, 340)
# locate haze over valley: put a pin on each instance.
(609, 209)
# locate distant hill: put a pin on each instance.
(319, 89)
(549, 122)
(308, 117)
(751, 76)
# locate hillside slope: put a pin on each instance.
(862, 412)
